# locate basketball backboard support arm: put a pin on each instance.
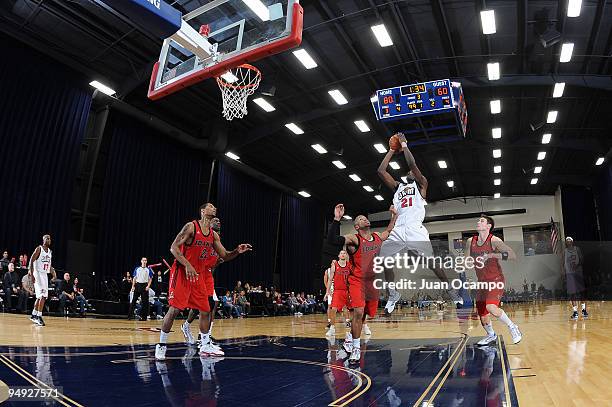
(192, 40)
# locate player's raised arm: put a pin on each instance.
(333, 234)
(224, 254)
(505, 252)
(389, 181)
(385, 234)
(185, 235)
(418, 176)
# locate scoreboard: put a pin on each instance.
(420, 99)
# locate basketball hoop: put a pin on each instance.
(236, 86)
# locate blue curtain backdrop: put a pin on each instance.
(604, 202)
(579, 220)
(301, 242)
(248, 211)
(152, 187)
(43, 115)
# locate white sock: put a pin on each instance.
(34, 312)
(356, 343)
(504, 318)
(328, 321)
(349, 337)
(205, 337)
(365, 326)
(210, 329)
(39, 313)
(575, 308)
(489, 328)
(163, 337)
(583, 306)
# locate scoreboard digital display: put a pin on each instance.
(420, 99)
(415, 99)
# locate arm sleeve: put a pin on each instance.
(333, 234)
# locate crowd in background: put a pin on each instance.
(17, 289)
(245, 300)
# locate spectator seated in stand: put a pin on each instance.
(66, 293)
(12, 288)
(245, 306)
(27, 292)
(126, 285)
(228, 305)
(268, 304)
(312, 304)
(279, 306)
(292, 304)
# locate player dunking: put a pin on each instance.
(215, 224)
(40, 266)
(193, 249)
(491, 249)
(409, 235)
(363, 247)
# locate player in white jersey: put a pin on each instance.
(409, 235)
(40, 266)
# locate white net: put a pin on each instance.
(236, 86)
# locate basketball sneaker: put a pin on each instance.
(34, 318)
(189, 339)
(394, 297)
(348, 324)
(366, 330)
(40, 321)
(487, 340)
(574, 316)
(207, 349)
(585, 314)
(331, 331)
(516, 334)
(355, 356)
(160, 351)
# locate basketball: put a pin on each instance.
(394, 143)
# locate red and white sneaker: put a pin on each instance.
(209, 349)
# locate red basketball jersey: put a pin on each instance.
(491, 271)
(363, 258)
(341, 276)
(200, 253)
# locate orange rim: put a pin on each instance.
(225, 84)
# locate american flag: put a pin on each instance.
(554, 235)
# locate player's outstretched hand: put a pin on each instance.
(339, 211)
(244, 247)
(192, 274)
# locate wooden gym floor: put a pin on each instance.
(411, 357)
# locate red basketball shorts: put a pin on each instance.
(187, 294)
(485, 297)
(340, 299)
(209, 281)
(356, 292)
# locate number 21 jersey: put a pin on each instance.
(409, 204)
